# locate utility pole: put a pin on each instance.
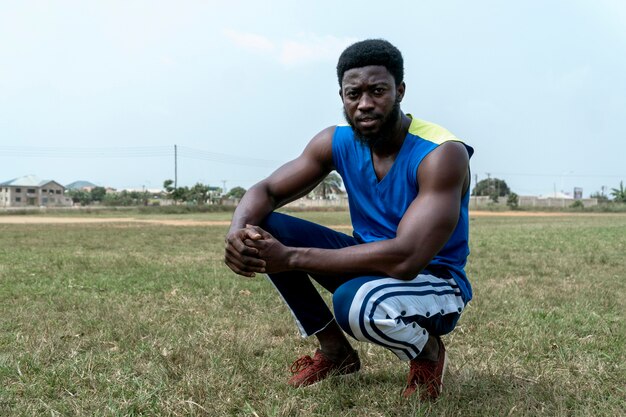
(175, 167)
(476, 195)
(224, 186)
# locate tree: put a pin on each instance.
(331, 184)
(80, 196)
(180, 194)
(139, 197)
(170, 191)
(98, 193)
(121, 198)
(199, 194)
(492, 187)
(167, 186)
(600, 196)
(512, 201)
(619, 194)
(577, 205)
(236, 192)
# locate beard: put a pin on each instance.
(377, 139)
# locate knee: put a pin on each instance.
(342, 301)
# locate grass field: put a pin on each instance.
(122, 319)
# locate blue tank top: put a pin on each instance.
(376, 207)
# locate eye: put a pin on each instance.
(352, 94)
(379, 91)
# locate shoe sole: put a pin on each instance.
(333, 374)
(341, 376)
(443, 370)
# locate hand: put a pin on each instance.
(269, 249)
(239, 256)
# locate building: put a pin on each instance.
(30, 191)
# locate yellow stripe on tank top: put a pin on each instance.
(430, 131)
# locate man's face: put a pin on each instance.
(371, 103)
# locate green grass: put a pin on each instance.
(192, 213)
(142, 319)
(149, 212)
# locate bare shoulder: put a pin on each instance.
(324, 137)
(320, 147)
(448, 163)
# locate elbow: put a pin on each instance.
(261, 191)
(404, 263)
(406, 271)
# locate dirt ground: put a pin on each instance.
(8, 219)
(87, 220)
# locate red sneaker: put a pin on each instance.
(428, 375)
(310, 370)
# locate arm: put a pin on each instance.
(429, 221)
(289, 182)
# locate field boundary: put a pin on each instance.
(183, 222)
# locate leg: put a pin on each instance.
(406, 317)
(333, 342)
(295, 287)
(307, 306)
(430, 351)
(311, 313)
(396, 314)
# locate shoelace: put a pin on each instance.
(300, 364)
(420, 373)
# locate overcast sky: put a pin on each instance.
(103, 90)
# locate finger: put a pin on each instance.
(239, 246)
(264, 233)
(257, 245)
(244, 259)
(241, 268)
(245, 263)
(238, 271)
(254, 264)
(253, 232)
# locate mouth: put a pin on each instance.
(367, 122)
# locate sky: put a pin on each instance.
(103, 91)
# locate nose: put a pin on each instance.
(365, 103)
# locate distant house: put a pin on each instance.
(30, 191)
(559, 194)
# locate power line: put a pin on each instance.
(225, 158)
(74, 152)
(204, 155)
(135, 152)
(559, 175)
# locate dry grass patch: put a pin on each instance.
(146, 320)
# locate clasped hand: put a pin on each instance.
(252, 249)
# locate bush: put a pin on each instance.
(577, 205)
(512, 201)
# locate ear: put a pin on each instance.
(340, 94)
(400, 90)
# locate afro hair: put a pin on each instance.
(371, 52)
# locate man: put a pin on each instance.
(399, 281)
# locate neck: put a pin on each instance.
(396, 137)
